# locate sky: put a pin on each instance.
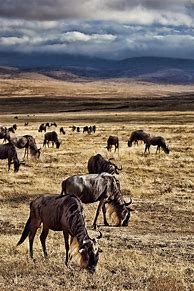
(113, 29)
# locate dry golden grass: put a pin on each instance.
(155, 252)
(39, 85)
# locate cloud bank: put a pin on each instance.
(103, 28)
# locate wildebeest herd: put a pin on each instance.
(64, 212)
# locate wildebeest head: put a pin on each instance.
(166, 150)
(117, 206)
(90, 255)
(35, 152)
(129, 143)
(58, 143)
(126, 213)
(113, 168)
(87, 255)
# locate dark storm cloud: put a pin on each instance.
(133, 11)
(41, 9)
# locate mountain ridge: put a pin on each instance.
(71, 67)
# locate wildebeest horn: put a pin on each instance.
(98, 237)
(100, 234)
(128, 203)
(119, 168)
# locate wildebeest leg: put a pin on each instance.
(104, 214)
(146, 147)
(24, 153)
(97, 212)
(66, 238)
(33, 230)
(43, 237)
(9, 163)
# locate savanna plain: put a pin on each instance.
(156, 250)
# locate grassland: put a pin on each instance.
(155, 252)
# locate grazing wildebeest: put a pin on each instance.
(26, 124)
(62, 130)
(8, 151)
(73, 128)
(34, 151)
(158, 141)
(97, 164)
(104, 188)
(53, 137)
(85, 129)
(78, 129)
(14, 126)
(138, 135)
(28, 142)
(112, 140)
(94, 128)
(11, 129)
(47, 124)
(62, 214)
(53, 124)
(42, 127)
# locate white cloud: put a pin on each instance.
(75, 36)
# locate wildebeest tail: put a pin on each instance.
(25, 232)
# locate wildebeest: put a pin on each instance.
(12, 128)
(26, 123)
(104, 188)
(53, 124)
(94, 128)
(97, 164)
(42, 127)
(5, 135)
(158, 141)
(138, 135)
(8, 151)
(89, 129)
(53, 137)
(62, 130)
(62, 214)
(28, 142)
(85, 129)
(112, 140)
